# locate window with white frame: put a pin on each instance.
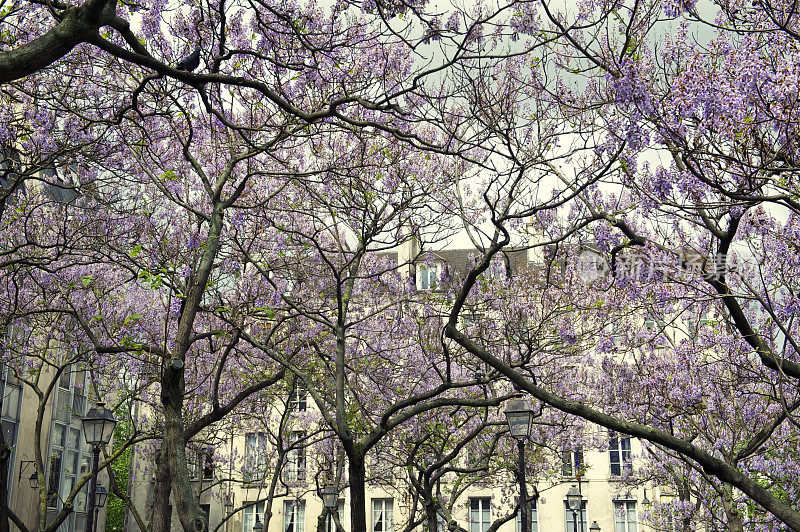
(571, 517)
(655, 330)
(295, 458)
(620, 454)
(572, 463)
(9, 420)
(330, 524)
(69, 454)
(428, 276)
(249, 515)
(625, 516)
(256, 458)
(294, 514)
(382, 519)
(534, 518)
(480, 514)
(298, 398)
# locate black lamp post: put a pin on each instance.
(101, 495)
(575, 502)
(330, 498)
(258, 526)
(595, 527)
(98, 427)
(520, 417)
(228, 509)
(34, 480)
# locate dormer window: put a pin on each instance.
(428, 276)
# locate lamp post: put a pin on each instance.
(98, 427)
(100, 495)
(330, 498)
(34, 481)
(228, 510)
(575, 502)
(257, 527)
(595, 527)
(520, 417)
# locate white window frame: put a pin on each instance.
(571, 462)
(534, 515)
(258, 460)
(294, 515)
(424, 272)
(625, 516)
(330, 525)
(480, 514)
(249, 515)
(619, 454)
(383, 514)
(295, 467)
(569, 525)
(298, 398)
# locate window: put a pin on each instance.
(249, 515)
(581, 516)
(534, 513)
(297, 398)
(295, 458)
(655, 332)
(330, 524)
(294, 516)
(616, 334)
(382, 514)
(9, 417)
(572, 463)
(69, 455)
(620, 452)
(208, 466)
(624, 516)
(428, 276)
(255, 456)
(480, 514)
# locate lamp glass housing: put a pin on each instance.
(520, 417)
(574, 499)
(595, 527)
(98, 425)
(100, 496)
(34, 481)
(330, 497)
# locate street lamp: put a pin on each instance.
(100, 496)
(228, 510)
(257, 527)
(34, 480)
(575, 502)
(646, 502)
(595, 527)
(98, 427)
(330, 498)
(520, 418)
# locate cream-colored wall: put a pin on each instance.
(24, 501)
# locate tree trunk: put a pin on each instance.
(430, 511)
(161, 491)
(358, 497)
(174, 447)
(732, 513)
